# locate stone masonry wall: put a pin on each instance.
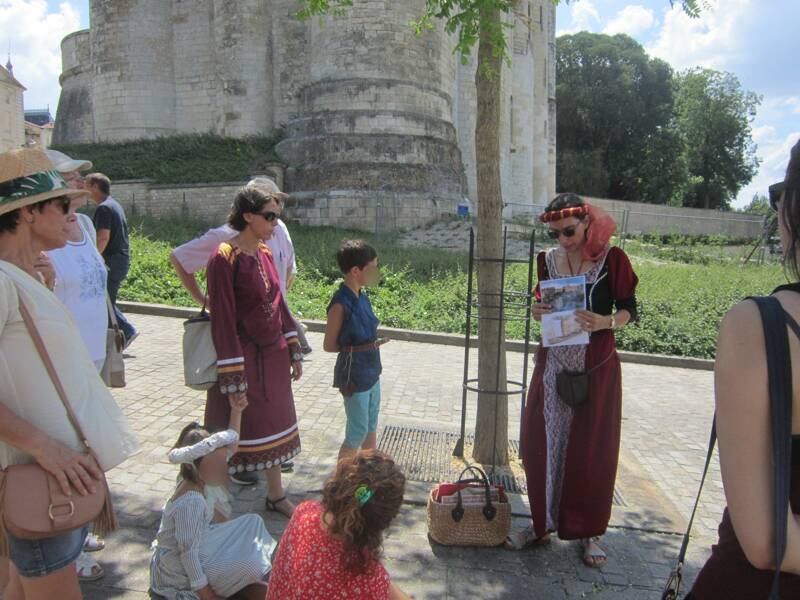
(386, 211)
(206, 202)
(76, 99)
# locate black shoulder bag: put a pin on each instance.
(779, 370)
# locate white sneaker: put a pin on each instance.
(128, 342)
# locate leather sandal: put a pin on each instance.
(594, 558)
(93, 543)
(519, 540)
(273, 506)
(88, 569)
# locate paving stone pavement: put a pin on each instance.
(666, 422)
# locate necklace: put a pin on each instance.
(572, 271)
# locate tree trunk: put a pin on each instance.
(491, 429)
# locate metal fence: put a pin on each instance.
(701, 237)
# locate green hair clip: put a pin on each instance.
(363, 494)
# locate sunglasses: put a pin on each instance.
(776, 191)
(269, 215)
(64, 203)
(567, 232)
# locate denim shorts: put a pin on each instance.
(362, 410)
(37, 558)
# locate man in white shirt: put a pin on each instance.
(193, 256)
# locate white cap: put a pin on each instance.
(267, 186)
(65, 164)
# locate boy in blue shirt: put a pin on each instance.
(352, 331)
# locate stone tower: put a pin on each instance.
(378, 124)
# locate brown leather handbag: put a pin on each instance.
(32, 505)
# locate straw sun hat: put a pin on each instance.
(27, 176)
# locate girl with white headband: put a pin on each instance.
(197, 554)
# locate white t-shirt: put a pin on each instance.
(27, 390)
(193, 255)
(81, 286)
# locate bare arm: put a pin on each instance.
(188, 280)
(66, 465)
(592, 321)
(396, 594)
(745, 439)
(621, 318)
(332, 328)
(289, 279)
(238, 404)
(103, 235)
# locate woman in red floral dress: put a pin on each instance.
(331, 549)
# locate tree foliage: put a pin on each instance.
(759, 205)
(629, 129)
(714, 116)
(615, 125)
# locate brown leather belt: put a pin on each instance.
(362, 348)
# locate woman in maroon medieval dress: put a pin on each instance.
(258, 352)
(570, 454)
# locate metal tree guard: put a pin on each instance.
(514, 301)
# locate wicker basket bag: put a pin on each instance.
(470, 520)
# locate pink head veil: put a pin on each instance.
(598, 235)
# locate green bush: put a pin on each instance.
(197, 158)
(680, 305)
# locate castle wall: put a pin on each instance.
(134, 78)
(195, 59)
(550, 28)
(210, 202)
(242, 67)
(540, 33)
(76, 102)
(289, 45)
(465, 120)
(522, 115)
(375, 118)
(379, 123)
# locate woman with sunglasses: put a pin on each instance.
(34, 203)
(742, 562)
(570, 454)
(258, 352)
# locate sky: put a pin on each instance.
(755, 39)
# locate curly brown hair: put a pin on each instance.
(362, 527)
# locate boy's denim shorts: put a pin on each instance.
(362, 410)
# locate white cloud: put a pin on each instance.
(584, 17)
(773, 150)
(712, 40)
(775, 130)
(35, 33)
(634, 20)
(793, 103)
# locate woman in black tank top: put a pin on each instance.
(743, 561)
